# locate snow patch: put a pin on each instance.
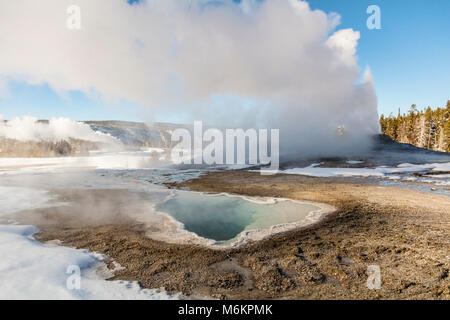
(383, 171)
(14, 199)
(128, 160)
(32, 270)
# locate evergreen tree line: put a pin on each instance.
(427, 128)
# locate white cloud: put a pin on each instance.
(343, 43)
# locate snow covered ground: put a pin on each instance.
(98, 160)
(14, 199)
(32, 270)
(381, 172)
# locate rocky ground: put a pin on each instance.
(405, 232)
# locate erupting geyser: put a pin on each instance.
(270, 64)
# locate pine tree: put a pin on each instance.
(427, 129)
(412, 124)
(446, 132)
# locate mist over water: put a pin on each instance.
(269, 64)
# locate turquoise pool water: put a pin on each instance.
(223, 218)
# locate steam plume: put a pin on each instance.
(272, 63)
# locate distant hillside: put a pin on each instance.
(38, 149)
(429, 129)
(130, 135)
(136, 133)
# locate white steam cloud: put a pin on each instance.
(30, 129)
(271, 63)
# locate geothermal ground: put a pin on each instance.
(403, 231)
(402, 226)
(140, 228)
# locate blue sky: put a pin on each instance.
(409, 58)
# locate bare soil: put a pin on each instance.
(405, 232)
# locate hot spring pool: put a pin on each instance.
(223, 217)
